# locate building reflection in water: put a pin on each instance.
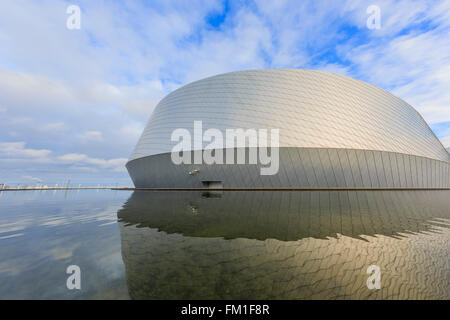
(286, 245)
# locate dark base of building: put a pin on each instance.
(299, 169)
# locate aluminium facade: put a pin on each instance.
(335, 132)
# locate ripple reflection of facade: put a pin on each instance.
(285, 245)
(335, 132)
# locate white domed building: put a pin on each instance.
(332, 132)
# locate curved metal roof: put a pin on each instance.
(311, 109)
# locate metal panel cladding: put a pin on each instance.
(312, 109)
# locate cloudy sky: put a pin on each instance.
(74, 102)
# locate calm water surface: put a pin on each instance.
(230, 245)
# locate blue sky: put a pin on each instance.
(74, 102)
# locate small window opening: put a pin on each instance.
(212, 184)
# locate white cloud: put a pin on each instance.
(17, 149)
(77, 158)
(91, 136)
(16, 152)
(414, 65)
(446, 142)
(132, 131)
(335, 68)
(37, 94)
(31, 178)
(79, 168)
(73, 157)
(26, 90)
(54, 127)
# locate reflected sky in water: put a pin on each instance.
(42, 233)
(224, 245)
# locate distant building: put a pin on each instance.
(334, 132)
